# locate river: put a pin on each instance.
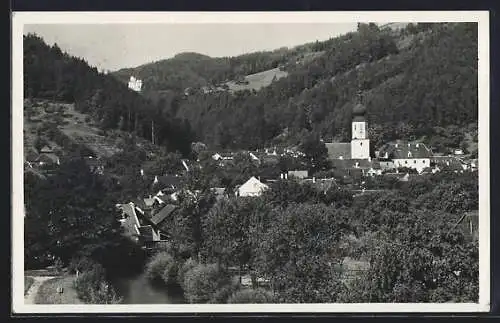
(139, 289)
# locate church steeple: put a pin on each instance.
(360, 144)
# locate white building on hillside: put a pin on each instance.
(135, 84)
(252, 187)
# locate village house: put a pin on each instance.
(450, 162)
(252, 187)
(47, 157)
(407, 154)
(297, 174)
(95, 164)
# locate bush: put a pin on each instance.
(82, 264)
(251, 296)
(162, 266)
(203, 282)
(186, 266)
(92, 287)
(222, 295)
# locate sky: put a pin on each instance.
(116, 46)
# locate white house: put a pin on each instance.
(406, 154)
(252, 187)
(135, 84)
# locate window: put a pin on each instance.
(361, 144)
(406, 162)
(414, 161)
(423, 161)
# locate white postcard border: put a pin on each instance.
(19, 19)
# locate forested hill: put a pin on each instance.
(52, 74)
(418, 82)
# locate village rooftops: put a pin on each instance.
(405, 150)
(163, 214)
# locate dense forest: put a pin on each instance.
(51, 74)
(416, 82)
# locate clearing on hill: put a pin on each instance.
(257, 81)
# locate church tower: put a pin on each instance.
(360, 144)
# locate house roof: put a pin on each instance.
(46, 149)
(449, 161)
(127, 209)
(252, 184)
(405, 150)
(146, 232)
(169, 181)
(298, 173)
(337, 150)
(351, 164)
(149, 201)
(163, 213)
(48, 157)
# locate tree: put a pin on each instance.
(315, 151)
(73, 214)
(226, 231)
(296, 252)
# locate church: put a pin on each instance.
(359, 147)
(355, 157)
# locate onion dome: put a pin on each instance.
(359, 109)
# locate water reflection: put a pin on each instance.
(139, 289)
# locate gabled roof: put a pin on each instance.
(253, 184)
(149, 201)
(169, 181)
(146, 233)
(449, 161)
(354, 163)
(46, 149)
(48, 158)
(406, 150)
(337, 150)
(163, 214)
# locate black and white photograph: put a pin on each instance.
(250, 162)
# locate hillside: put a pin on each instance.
(88, 97)
(417, 81)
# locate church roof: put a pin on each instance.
(337, 150)
(355, 163)
(359, 110)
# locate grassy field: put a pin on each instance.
(47, 293)
(28, 281)
(258, 80)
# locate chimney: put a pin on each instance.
(282, 176)
(314, 179)
(142, 172)
(156, 179)
(409, 145)
(286, 176)
(396, 145)
(418, 145)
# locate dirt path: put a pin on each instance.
(29, 298)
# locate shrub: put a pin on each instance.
(202, 282)
(251, 296)
(82, 264)
(92, 287)
(162, 266)
(222, 295)
(186, 266)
